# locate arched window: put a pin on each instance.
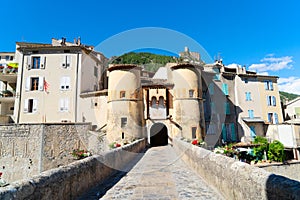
(153, 102)
(161, 102)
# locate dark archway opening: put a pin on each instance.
(158, 135)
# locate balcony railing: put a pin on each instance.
(7, 93)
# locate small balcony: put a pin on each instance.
(8, 73)
(7, 96)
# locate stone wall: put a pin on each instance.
(291, 170)
(29, 149)
(70, 181)
(234, 179)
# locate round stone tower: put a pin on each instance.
(188, 107)
(125, 106)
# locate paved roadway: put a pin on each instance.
(159, 174)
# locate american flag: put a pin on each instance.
(46, 86)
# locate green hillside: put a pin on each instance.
(151, 61)
(286, 95)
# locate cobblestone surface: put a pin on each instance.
(159, 174)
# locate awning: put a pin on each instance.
(253, 120)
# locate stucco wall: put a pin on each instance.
(234, 179)
(72, 180)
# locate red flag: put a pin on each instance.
(46, 86)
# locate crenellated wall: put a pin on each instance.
(70, 181)
(234, 179)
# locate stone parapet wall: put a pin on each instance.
(29, 149)
(234, 179)
(291, 170)
(70, 181)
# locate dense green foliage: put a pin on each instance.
(259, 151)
(286, 95)
(276, 151)
(151, 61)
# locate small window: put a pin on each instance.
(194, 129)
(6, 57)
(96, 71)
(246, 80)
(30, 105)
(34, 83)
(36, 62)
(251, 114)
(248, 96)
(123, 135)
(191, 93)
(122, 94)
(123, 122)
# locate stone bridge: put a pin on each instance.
(181, 171)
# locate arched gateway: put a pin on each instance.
(158, 135)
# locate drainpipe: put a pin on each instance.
(76, 91)
(20, 92)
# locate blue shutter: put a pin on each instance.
(268, 101)
(252, 131)
(274, 100)
(224, 135)
(225, 88)
(266, 85)
(271, 85)
(275, 118)
(227, 108)
(233, 135)
(247, 96)
(249, 93)
(251, 114)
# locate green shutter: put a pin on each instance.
(225, 88)
(233, 135)
(224, 135)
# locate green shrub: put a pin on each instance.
(259, 151)
(276, 151)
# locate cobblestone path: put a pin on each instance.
(159, 174)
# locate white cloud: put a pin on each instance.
(272, 63)
(290, 84)
(233, 65)
(263, 73)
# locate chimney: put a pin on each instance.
(79, 41)
(186, 49)
(63, 41)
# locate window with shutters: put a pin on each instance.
(30, 106)
(248, 96)
(64, 104)
(38, 62)
(66, 61)
(251, 114)
(65, 83)
(268, 85)
(34, 84)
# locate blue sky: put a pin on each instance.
(263, 35)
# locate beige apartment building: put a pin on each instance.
(53, 80)
(8, 80)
